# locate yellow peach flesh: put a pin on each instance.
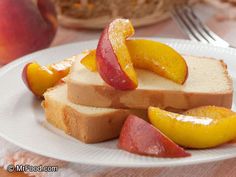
(159, 58)
(36, 74)
(195, 131)
(153, 56)
(89, 61)
(118, 31)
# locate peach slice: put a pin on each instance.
(89, 61)
(139, 137)
(210, 111)
(39, 78)
(153, 56)
(112, 56)
(159, 58)
(62, 68)
(208, 127)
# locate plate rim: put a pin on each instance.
(26, 58)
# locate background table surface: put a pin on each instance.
(226, 29)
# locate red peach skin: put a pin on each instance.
(113, 61)
(25, 26)
(139, 137)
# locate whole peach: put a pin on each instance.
(25, 26)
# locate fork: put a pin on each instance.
(194, 28)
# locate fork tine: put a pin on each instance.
(183, 26)
(205, 31)
(179, 14)
(196, 24)
(192, 25)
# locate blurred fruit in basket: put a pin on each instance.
(25, 26)
(98, 13)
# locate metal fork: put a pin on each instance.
(194, 28)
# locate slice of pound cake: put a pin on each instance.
(208, 83)
(88, 124)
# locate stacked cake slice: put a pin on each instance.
(88, 109)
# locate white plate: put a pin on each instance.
(22, 118)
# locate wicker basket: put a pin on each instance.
(97, 13)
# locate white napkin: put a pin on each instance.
(13, 155)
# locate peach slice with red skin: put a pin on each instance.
(202, 127)
(153, 56)
(139, 137)
(112, 56)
